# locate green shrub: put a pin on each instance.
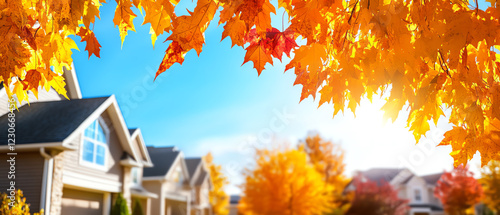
(137, 208)
(17, 205)
(120, 207)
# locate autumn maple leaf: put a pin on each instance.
(93, 46)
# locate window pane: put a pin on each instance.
(89, 132)
(100, 155)
(135, 175)
(88, 151)
(100, 134)
(418, 196)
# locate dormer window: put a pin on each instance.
(95, 144)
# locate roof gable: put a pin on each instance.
(55, 123)
(49, 122)
(137, 135)
(163, 159)
(193, 164)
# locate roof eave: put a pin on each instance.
(36, 146)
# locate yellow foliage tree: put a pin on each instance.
(17, 206)
(490, 179)
(328, 159)
(283, 183)
(422, 55)
(218, 198)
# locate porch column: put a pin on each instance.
(106, 204)
(168, 210)
(57, 184)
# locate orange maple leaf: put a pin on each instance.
(93, 46)
(174, 54)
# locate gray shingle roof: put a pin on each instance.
(380, 175)
(44, 122)
(192, 164)
(432, 179)
(131, 130)
(234, 199)
(163, 158)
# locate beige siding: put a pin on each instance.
(158, 203)
(205, 189)
(28, 172)
(43, 96)
(77, 202)
(136, 146)
(233, 209)
(4, 106)
(115, 170)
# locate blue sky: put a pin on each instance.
(212, 103)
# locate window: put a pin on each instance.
(178, 176)
(418, 195)
(95, 145)
(135, 175)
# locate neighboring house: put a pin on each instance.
(199, 180)
(169, 179)
(233, 204)
(137, 191)
(74, 156)
(418, 190)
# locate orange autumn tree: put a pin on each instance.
(490, 181)
(283, 183)
(218, 198)
(328, 159)
(422, 56)
(458, 190)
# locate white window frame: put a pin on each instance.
(105, 145)
(139, 173)
(180, 175)
(415, 195)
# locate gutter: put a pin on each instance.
(48, 166)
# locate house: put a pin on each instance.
(138, 193)
(169, 180)
(418, 190)
(233, 204)
(74, 156)
(199, 180)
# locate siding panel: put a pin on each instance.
(29, 172)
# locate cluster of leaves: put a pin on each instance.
(17, 207)
(372, 198)
(490, 181)
(306, 180)
(120, 207)
(218, 198)
(35, 46)
(458, 190)
(283, 183)
(426, 55)
(328, 159)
